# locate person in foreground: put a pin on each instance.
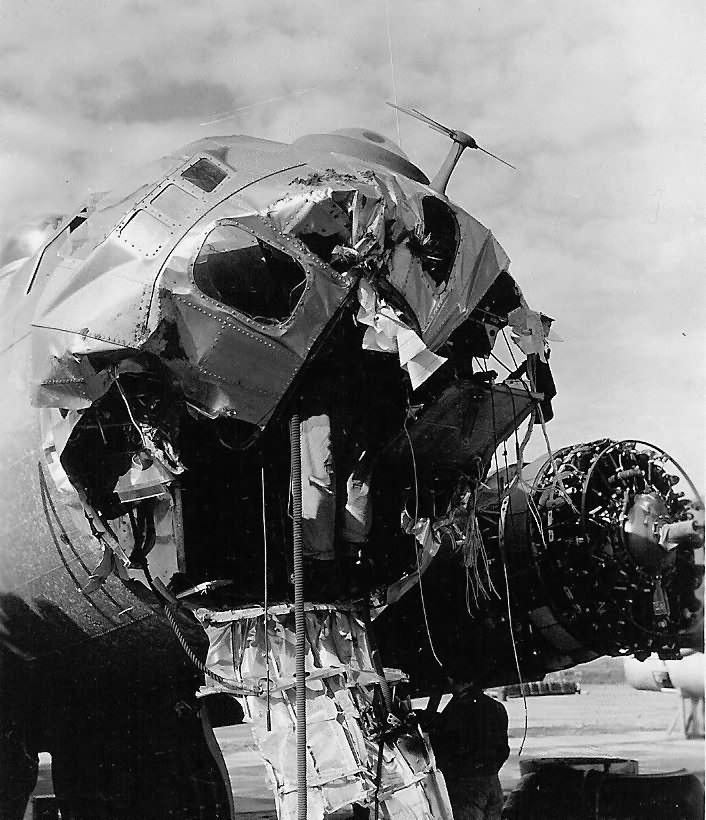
(469, 738)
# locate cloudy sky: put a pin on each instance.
(599, 104)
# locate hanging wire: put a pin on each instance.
(512, 634)
(486, 564)
(475, 555)
(416, 551)
(557, 480)
(470, 588)
(129, 412)
(506, 504)
(503, 504)
(169, 604)
(501, 362)
(235, 686)
(392, 71)
(520, 447)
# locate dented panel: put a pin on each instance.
(245, 298)
(346, 729)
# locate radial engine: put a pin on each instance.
(594, 550)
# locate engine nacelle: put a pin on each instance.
(597, 550)
(606, 535)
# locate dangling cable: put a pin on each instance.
(506, 502)
(558, 480)
(503, 504)
(129, 412)
(520, 447)
(501, 362)
(169, 602)
(416, 551)
(557, 474)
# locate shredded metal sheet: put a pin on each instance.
(341, 724)
(123, 283)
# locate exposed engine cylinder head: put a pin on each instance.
(615, 537)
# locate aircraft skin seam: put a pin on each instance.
(193, 464)
(92, 335)
(226, 380)
(223, 322)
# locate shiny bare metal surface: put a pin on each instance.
(163, 343)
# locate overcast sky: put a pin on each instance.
(599, 104)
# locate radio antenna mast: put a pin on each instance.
(461, 141)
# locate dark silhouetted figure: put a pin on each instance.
(469, 739)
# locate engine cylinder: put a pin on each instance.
(610, 537)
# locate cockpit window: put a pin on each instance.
(204, 174)
(441, 239)
(246, 273)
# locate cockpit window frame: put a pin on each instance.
(179, 178)
(262, 231)
(441, 285)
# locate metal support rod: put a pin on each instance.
(300, 671)
(443, 175)
(266, 602)
(377, 661)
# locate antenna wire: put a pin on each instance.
(392, 70)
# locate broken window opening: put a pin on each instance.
(188, 502)
(321, 246)
(476, 337)
(221, 493)
(438, 248)
(182, 494)
(109, 441)
(502, 297)
(204, 174)
(322, 226)
(249, 275)
(78, 220)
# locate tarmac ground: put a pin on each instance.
(604, 720)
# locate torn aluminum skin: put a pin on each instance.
(124, 280)
(342, 727)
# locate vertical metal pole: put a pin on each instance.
(377, 660)
(296, 465)
(266, 616)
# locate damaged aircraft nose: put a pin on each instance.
(205, 273)
(255, 313)
(201, 306)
